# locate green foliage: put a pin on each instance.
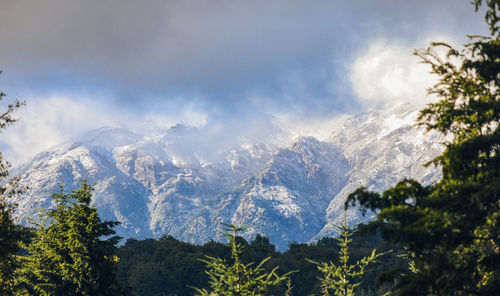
(167, 266)
(67, 255)
(452, 228)
(238, 278)
(343, 278)
(289, 288)
(10, 233)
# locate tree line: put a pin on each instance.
(448, 233)
(172, 267)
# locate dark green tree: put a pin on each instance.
(68, 255)
(10, 233)
(452, 228)
(238, 279)
(155, 266)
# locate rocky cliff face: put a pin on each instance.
(287, 193)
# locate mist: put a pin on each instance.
(237, 71)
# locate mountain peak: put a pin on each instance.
(109, 137)
(285, 193)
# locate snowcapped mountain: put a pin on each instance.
(157, 185)
(382, 148)
(288, 195)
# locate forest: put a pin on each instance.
(438, 239)
(172, 267)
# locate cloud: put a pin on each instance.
(61, 118)
(388, 73)
(145, 51)
(320, 128)
(237, 70)
(45, 123)
(58, 118)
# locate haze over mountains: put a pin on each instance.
(287, 193)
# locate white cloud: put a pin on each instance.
(52, 120)
(320, 128)
(48, 122)
(62, 118)
(190, 114)
(389, 74)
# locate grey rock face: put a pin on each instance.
(288, 194)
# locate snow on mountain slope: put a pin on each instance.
(159, 184)
(118, 196)
(286, 200)
(138, 180)
(382, 148)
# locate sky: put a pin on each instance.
(239, 71)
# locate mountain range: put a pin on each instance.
(290, 193)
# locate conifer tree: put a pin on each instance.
(452, 228)
(343, 278)
(67, 255)
(238, 279)
(10, 233)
